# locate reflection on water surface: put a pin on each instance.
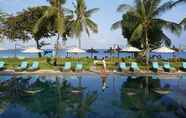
(90, 96)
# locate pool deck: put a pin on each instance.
(166, 75)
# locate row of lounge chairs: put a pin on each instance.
(167, 67)
(35, 66)
(23, 66)
(133, 67)
(154, 67)
(68, 66)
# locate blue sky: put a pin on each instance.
(104, 18)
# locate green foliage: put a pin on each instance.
(144, 17)
(54, 17)
(21, 26)
(12, 29)
(82, 21)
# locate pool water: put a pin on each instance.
(90, 96)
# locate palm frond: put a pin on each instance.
(165, 40)
(183, 23)
(116, 25)
(92, 25)
(68, 11)
(142, 8)
(178, 2)
(91, 11)
(153, 4)
(163, 8)
(137, 33)
(124, 8)
(38, 25)
(171, 26)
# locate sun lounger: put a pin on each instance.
(183, 77)
(154, 77)
(167, 67)
(183, 66)
(134, 66)
(122, 66)
(35, 66)
(155, 66)
(67, 66)
(79, 67)
(23, 66)
(2, 65)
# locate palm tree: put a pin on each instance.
(142, 24)
(54, 16)
(82, 21)
(3, 16)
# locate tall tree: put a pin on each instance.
(29, 18)
(142, 24)
(54, 16)
(12, 29)
(82, 21)
(21, 26)
(3, 16)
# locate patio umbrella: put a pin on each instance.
(32, 50)
(163, 50)
(131, 49)
(76, 50)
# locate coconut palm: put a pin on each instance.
(3, 16)
(53, 16)
(142, 24)
(82, 21)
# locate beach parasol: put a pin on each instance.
(131, 49)
(32, 50)
(75, 50)
(163, 50)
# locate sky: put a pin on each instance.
(105, 17)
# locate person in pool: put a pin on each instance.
(104, 75)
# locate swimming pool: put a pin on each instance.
(90, 96)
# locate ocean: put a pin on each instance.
(101, 53)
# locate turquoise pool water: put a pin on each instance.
(90, 96)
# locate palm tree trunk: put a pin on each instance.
(56, 49)
(147, 63)
(79, 42)
(147, 49)
(15, 48)
(38, 47)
